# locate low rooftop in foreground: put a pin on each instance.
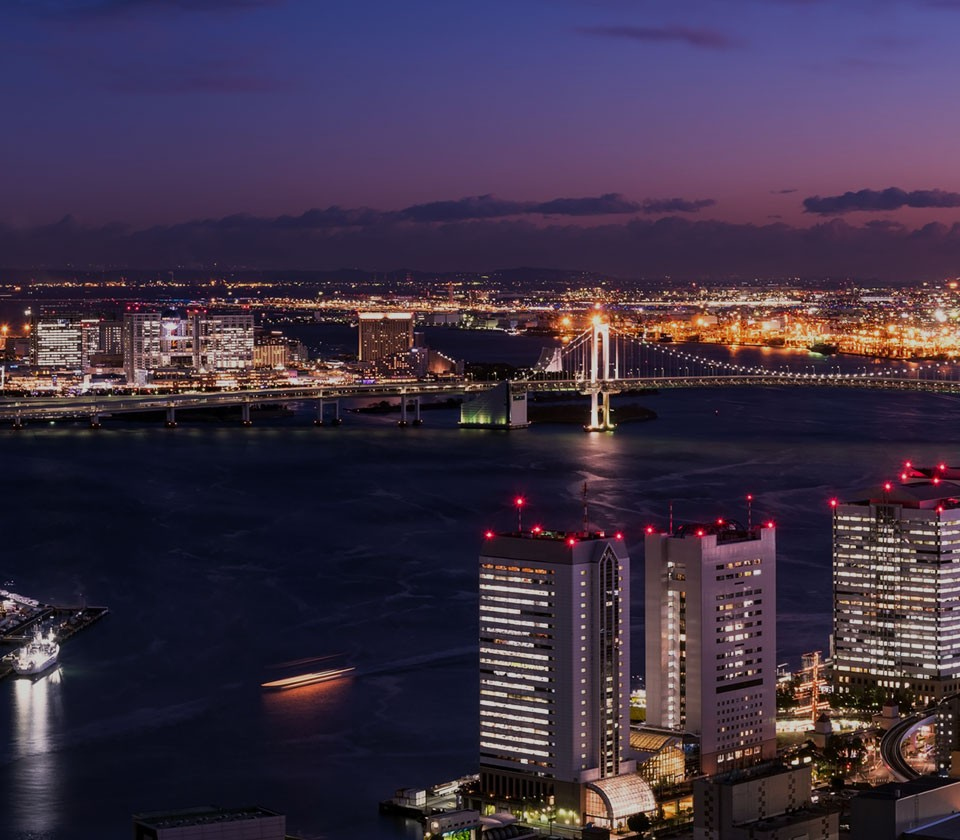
(200, 816)
(901, 790)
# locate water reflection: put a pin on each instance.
(308, 711)
(37, 715)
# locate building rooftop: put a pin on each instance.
(545, 535)
(201, 815)
(758, 771)
(946, 828)
(922, 488)
(921, 494)
(650, 739)
(797, 816)
(901, 790)
(550, 546)
(725, 530)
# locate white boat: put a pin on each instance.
(307, 679)
(37, 656)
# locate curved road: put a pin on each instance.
(891, 744)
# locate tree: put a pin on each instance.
(639, 823)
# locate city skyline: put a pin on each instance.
(777, 138)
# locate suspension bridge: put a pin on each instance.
(601, 362)
(598, 363)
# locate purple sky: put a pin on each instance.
(437, 134)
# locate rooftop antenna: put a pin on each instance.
(519, 502)
(670, 529)
(586, 516)
(749, 511)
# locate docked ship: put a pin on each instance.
(37, 656)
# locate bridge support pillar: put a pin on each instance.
(95, 420)
(18, 422)
(321, 413)
(593, 425)
(403, 411)
(417, 420)
(600, 412)
(245, 414)
(606, 420)
(171, 421)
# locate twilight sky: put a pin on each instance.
(631, 136)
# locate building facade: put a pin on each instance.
(554, 675)
(767, 802)
(896, 587)
(196, 341)
(711, 640)
(384, 337)
(56, 341)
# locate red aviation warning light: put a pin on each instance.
(649, 529)
(572, 541)
(887, 486)
(699, 532)
(519, 502)
(489, 535)
(618, 535)
(941, 467)
(936, 479)
(833, 503)
(536, 529)
(770, 524)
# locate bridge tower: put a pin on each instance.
(602, 373)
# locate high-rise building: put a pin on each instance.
(222, 341)
(896, 584)
(56, 341)
(383, 336)
(554, 676)
(196, 340)
(142, 351)
(711, 640)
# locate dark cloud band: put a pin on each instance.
(675, 205)
(631, 246)
(891, 198)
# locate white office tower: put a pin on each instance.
(896, 585)
(56, 341)
(711, 640)
(554, 677)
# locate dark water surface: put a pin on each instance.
(224, 551)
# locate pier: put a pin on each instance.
(22, 616)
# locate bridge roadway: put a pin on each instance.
(23, 409)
